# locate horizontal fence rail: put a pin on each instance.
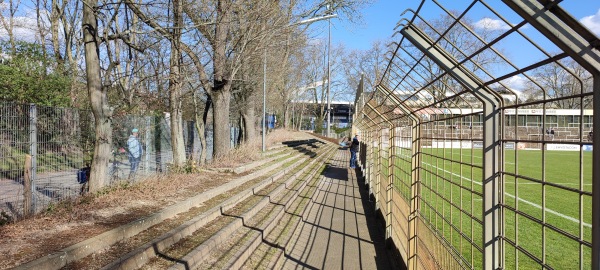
(469, 169)
(45, 152)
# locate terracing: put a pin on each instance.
(299, 207)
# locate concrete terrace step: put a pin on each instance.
(103, 241)
(224, 221)
(251, 225)
(334, 229)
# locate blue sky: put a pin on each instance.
(381, 17)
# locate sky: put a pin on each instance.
(381, 17)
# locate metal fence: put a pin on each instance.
(60, 142)
(467, 171)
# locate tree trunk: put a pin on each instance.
(242, 134)
(286, 115)
(98, 98)
(221, 140)
(201, 126)
(175, 87)
(54, 24)
(299, 125)
(201, 129)
(249, 115)
(221, 91)
(176, 124)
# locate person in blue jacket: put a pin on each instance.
(134, 147)
(354, 146)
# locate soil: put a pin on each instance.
(71, 222)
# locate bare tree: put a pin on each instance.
(561, 79)
(98, 96)
(7, 18)
(461, 40)
(175, 85)
(316, 78)
(371, 63)
(64, 17)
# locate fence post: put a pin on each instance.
(157, 142)
(378, 173)
(231, 136)
(27, 192)
(369, 165)
(33, 151)
(491, 141)
(413, 218)
(390, 185)
(596, 178)
(148, 145)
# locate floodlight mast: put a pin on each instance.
(328, 77)
(264, 115)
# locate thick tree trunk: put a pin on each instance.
(299, 124)
(221, 140)
(286, 115)
(177, 142)
(201, 129)
(221, 91)
(175, 87)
(201, 126)
(98, 99)
(249, 115)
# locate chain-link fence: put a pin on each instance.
(471, 171)
(60, 144)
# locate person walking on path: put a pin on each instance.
(134, 147)
(353, 149)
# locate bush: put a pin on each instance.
(190, 166)
(340, 130)
(5, 218)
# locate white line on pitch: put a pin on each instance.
(533, 183)
(519, 199)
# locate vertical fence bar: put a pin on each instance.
(370, 162)
(596, 179)
(390, 185)
(33, 151)
(414, 195)
(491, 200)
(378, 173)
(158, 149)
(148, 148)
(27, 192)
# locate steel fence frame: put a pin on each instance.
(450, 172)
(60, 141)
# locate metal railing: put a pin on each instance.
(469, 174)
(60, 142)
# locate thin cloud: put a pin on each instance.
(492, 24)
(515, 83)
(592, 22)
(25, 27)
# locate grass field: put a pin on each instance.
(546, 209)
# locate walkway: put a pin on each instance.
(339, 231)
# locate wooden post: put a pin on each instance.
(27, 194)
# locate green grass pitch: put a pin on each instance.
(546, 198)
